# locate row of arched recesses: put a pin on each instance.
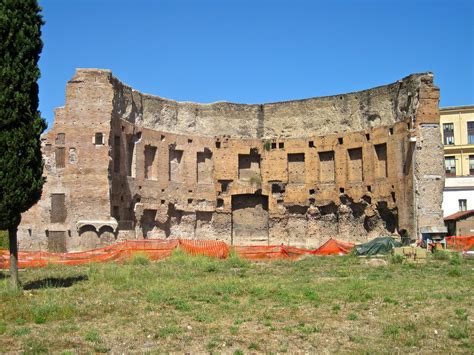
(91, 237)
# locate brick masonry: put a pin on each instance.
(123, 165)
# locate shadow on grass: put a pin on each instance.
(3, 275)
(54, 282)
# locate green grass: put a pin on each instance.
(199, 304)
(441, 255)
(140, 259)
(396, 259)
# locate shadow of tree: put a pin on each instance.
(54, 282)
(3, 275)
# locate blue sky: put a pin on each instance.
(256, 51)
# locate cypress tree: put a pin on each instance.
(21, 125)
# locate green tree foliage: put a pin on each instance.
(21, 125)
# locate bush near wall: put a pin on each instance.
(3, 240)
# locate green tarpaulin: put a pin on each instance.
(380, 245)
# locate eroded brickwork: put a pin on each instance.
(122, 165)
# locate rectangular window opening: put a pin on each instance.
(249, 166)
(327, 170)
(450, 166)
(296, 168)
(175, 157)
(381, 163)
(99, 138)
(355, 165)
(150, 163)
(204, 167)
(60, 157)
(448, 133)
(58, 208)
(470, 132)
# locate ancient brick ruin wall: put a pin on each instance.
(124, 165)
(359, 111)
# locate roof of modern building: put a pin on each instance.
(458, 215)
(456, 108)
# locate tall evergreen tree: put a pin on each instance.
(21, 125)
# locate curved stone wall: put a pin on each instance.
(356, 111)
(352, 166)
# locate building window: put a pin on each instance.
(462, 205)
(58, 208)
(471, 165)
(450, 166)
(448, 133)
(60, 156)
(470, 132)
(99, 139)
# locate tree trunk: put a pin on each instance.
(14, 281)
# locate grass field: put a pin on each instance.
(197, 304)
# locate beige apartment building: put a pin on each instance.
(457, 126)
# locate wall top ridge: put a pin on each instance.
(355, 111)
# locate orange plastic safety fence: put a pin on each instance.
(460, 243)
(261, 252)
(155, 249)
(295, 252)
(333, 247)
(158, 249)
(214, 248)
